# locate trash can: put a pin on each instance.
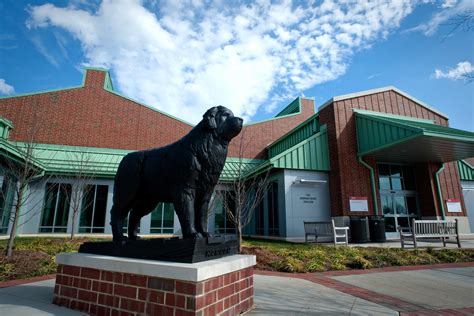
(377, 229)
(359, 229)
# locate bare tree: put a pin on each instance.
(83, 172)
(24, 170)
(245, 194)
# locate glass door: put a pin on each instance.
(397, 196)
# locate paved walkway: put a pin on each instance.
(418, 290)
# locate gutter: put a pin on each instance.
(372, 184)
(440, 195)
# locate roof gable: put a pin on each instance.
(378, 90)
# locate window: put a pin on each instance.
(162, 219)
(6, 202)
(223, 223)
(396, 178)
(94, 205)
(272, 196)
(56, 208)
(259, 219)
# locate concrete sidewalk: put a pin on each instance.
(434, 290)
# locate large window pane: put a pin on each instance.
(396, 183)
(6, 203)
(384, 183)
(162, 219)
(259, 219)
(387, 205)
(399, 204)
(55, 213)
(273, 226)
(94, 206)
(224, 203)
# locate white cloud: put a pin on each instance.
(462, 70)
(190, 55)
(5, 88)
(452, 11)
(448, 4)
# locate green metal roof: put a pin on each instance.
(101, 162)
(310, 154)
(18, 154)
(399, 139)
(293, 107)
(466, 171)
(235, 168)
(295, 136)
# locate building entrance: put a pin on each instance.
(397, 196)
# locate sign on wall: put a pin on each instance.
(454, 205)
(358, 204)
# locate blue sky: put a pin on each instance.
(254, 57)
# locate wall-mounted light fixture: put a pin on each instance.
(307, 181)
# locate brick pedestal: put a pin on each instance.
(102, 285)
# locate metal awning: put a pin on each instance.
(392, 138)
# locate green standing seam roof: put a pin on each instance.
(293, 107)
(235, 168)
(16, 153)
(309, 154)
(101, 162)
(410, 140)
(295, 136)
(466, 171)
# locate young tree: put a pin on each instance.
(83, 172)
(245, 194)
(24, 171)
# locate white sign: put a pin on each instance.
(454, 206)
(358, 204)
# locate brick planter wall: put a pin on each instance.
(101, 292)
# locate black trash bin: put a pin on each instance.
(377, 229)
(359, 229)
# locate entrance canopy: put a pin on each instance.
(392, 138)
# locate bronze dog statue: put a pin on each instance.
(183, 173)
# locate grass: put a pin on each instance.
(37, 256)
(290, 257)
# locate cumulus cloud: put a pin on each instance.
(5, 88)
(463, 71)
(448, 3)
(184, 56)
(452, 11)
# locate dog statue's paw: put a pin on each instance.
(207, 235)
(121, 240)
(134, 237)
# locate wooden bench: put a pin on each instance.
(429, 229)
(326, 229)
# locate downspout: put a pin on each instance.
(440, 195)
(372, 184)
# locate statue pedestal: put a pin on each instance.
(104, 285)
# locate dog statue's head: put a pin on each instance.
(223, 121)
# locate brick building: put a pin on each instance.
(377, 152)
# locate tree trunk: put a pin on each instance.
(11, 239)
(74, 218)
(239, 235)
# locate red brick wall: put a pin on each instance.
(92, 116)
(101, 292)
(349, 178)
